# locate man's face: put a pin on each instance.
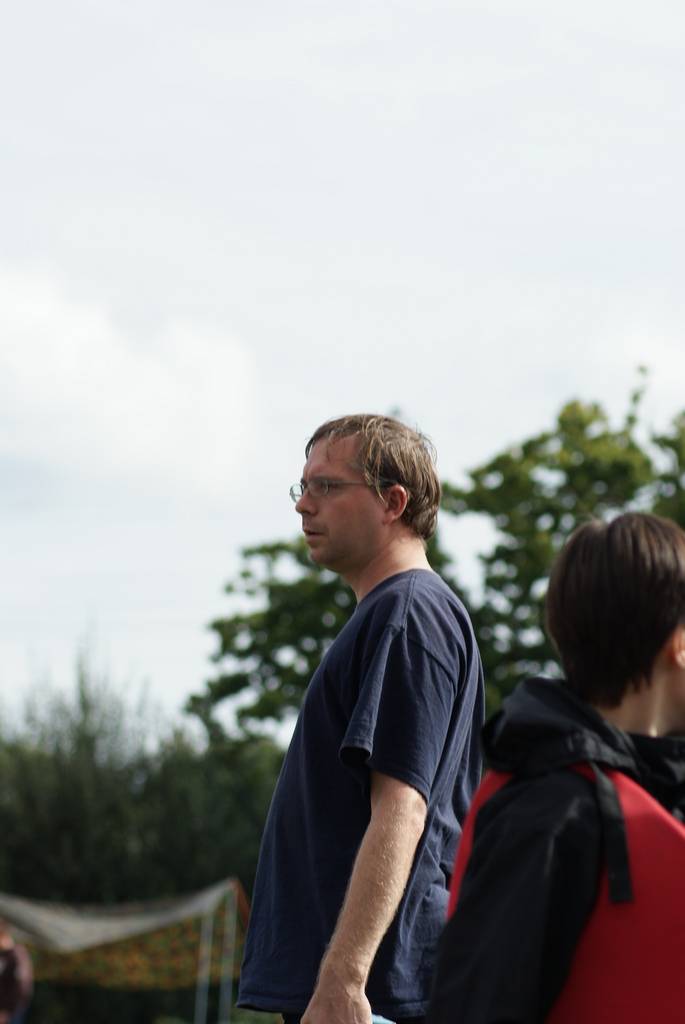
(344, 528)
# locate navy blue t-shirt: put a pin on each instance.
(400, 691)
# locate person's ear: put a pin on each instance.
(678, 646)
(396, 499)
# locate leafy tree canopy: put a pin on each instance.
(534, 493)
(270, 652)
(90, 812)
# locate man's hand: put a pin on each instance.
(378, 879)
(337, 1001)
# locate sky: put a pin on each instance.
(225, 223)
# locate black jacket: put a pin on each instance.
(539, 843)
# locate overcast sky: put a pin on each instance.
(222, 223)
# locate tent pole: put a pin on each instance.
(228, 957)
(204, 967)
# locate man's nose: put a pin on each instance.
(304, 504)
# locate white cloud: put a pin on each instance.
(79, 395)
(406, 50)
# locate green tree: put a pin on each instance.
(534, 493)
(290, 612)
(92, 812)
(669, 487)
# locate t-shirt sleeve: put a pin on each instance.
(528, 889)
(402, 714)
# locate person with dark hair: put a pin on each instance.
(352, 883)
(568, 896)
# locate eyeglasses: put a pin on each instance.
(320, 487)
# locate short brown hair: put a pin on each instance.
(616, 593)
(391, 452)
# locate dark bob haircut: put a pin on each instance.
(616, 593)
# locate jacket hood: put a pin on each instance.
(543, 726)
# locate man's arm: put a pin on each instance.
(377, 882)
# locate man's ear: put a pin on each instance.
(396, 499)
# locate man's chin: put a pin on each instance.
(318, 557)
(314, 555)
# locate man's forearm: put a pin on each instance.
(378, 880)
(376, 885)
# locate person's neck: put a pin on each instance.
(641, 711)
(401, 556)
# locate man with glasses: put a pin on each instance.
(351, 887)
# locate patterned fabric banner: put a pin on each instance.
(165, 956)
